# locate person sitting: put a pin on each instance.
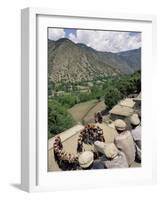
(100, 118)
(58, 157)
(60, 142)
(55, 145)
(56, 150)
(124, 141)
(87, 162)
(56, 141)
(136, 134)
(64, 162)
(95, 118)
(79, 146)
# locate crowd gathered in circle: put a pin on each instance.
(89, 135)
(125, 149)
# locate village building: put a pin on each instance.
(123, 109)
(128, 102)
(120, 112)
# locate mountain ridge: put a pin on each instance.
(69, 61)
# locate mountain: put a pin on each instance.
(72, 62)
(132, 57)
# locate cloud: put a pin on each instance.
(55, 33)
(110, 41)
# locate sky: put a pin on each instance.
(109, 41)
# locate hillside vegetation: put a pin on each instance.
(73, 105)
(82, 81)
(71, 62)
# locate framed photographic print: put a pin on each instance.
(86, 114)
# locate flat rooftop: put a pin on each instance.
(128, 102)
(121, 110)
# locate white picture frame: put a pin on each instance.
(33, 74)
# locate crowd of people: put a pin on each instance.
(89, 135)
(125, 149)
(65, 161)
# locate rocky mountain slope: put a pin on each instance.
(132, 57)
(72, 62)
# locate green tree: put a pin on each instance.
(67, 100)
(112, 96)
(120, 87)
(58, 118)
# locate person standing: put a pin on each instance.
(115, 158)
(124, 141)
(110, 155)
(136, 134)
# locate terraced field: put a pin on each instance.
(85, 111)
(90, 115)
(80, 110)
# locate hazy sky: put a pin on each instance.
(110, 41)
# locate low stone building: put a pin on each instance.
(123, 109)
(120, 112)
(128, 102)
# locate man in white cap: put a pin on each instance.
(124, 141)
(115, 158)
(86, 161)
(112, 157)
(136, 129)
(99, 147)
(136, 134)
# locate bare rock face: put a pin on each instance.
(70, 62)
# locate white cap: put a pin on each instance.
(99, 146)
(110, 150)
(86, 159)
(134, 119)
(120, 124)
